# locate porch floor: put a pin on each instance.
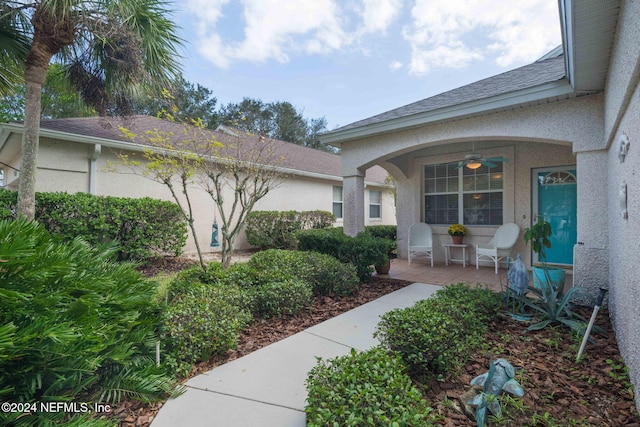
(441, 274)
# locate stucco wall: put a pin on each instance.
(623, 110)
(64, 166)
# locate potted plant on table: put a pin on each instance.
(538, 234)
(457, 233)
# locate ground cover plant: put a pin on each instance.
(76, 326)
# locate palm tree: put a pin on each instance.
(112, 50)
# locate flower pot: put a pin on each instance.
(556, 276)
(383, 269)
(457, 240)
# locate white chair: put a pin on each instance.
(420, 241)
(500, 246)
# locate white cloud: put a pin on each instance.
(440, 31)
(377, 15)
(395, 65)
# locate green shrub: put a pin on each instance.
(142, 228)
(281, 297)
(323, 272)
(276, 229)
(389, 232)
(362, 251)
(363, 389)
(77, 326)
(206, 320)
(436, 335)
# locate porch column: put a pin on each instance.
(353, 200)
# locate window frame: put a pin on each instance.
(378, 204)
(337, 202)
(459, 193)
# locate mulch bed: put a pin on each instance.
(595, 391)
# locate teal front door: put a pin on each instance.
(557, 201)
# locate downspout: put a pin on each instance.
(93, 161)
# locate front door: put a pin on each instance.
(556, 200)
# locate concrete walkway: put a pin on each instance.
(267, 387)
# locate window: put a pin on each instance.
(375, 206)
(462, 195)
(337, 201)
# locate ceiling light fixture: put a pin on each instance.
(474, 165)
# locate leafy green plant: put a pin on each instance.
(142, 228)
(538, 234)
(323, 272)
(362, 251)
(76, 324)
(436, 335)
(276, 229)
(363, 389)
(554, 307)
(204, 321)
(281, 297)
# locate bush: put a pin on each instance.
(436, 335)
(276, 229)
(77, 326)
(363, 389)
(323, 272)
(204, 321)
(389, 232)
(282, 297)
(142, 228)
(362, 251)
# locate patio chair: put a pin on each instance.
(500, 245)
(420, 241)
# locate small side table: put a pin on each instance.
(447, 253)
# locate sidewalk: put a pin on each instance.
(267, 387)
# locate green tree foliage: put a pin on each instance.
(186, 101)
(76, 325)
(277, 120)
(111, 51)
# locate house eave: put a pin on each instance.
(545, 92)
(8, 128)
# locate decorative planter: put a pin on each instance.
(457, 240)
(556, 275)
(383, 269)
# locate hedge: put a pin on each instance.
(276, 229)
(142, 228)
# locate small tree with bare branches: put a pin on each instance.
(246, 167)
(174, 161)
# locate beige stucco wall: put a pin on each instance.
(622, 108)
(65, 166)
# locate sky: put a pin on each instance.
(348, 60)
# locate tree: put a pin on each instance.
(172, 160)
(185, 100)
(245, 168)
(112, 50)
(278, 120)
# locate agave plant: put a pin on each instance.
(555, 306)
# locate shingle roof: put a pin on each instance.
(295, 157)
(537, 73)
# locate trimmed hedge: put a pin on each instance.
(142, 228)
(276, 229)
(362, 251)
(436, 335)
(363, 389)
(323, 272)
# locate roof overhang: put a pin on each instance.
(534, 95)
(6, 129)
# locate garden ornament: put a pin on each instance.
(518, 277)
(499, 378)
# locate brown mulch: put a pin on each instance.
(595, 391)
